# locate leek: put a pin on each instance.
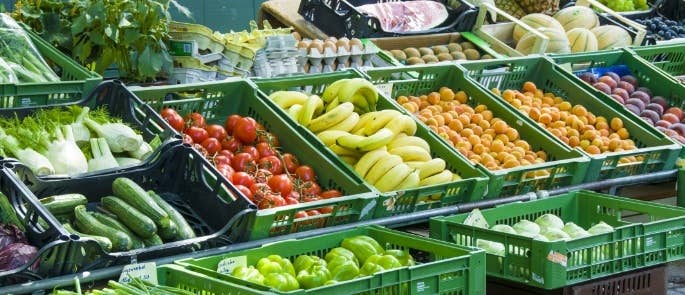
(120, 137)
(102, 156)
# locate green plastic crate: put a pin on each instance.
(76, 81)
(658, 239)
(670, 58)
(470, 188)
(648, 76)
(217, 100)
(566, 166)
(442, 268)
(659, 151)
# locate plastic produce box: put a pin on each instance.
(566, 166)
(470, 188)
(670, 59)
(216, 101)
(658, 151)
(120, 103)
(648, 76)
(655, 239)
(76, 81)
(218, 214)
(342, 18)
(441, 268)
(55, 256)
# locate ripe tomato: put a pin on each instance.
(309, 198)
(310, 188)
(290, 162)
(221, 160)
(262, 175)
(259, 126)
(325, 210)
(251, 150)
(195, 120)
(226, 171)
(268, 137)
(212, 145)
(300, 214)
(226, 153)
(197, 134)
(271, 163)
(271, 201)
(231, 143)
(265, 150)
(245, 130)
(243, 162)
(245, 191)
(280, 184)
(216, 131)
(333, 193)
(230, 123)
(242, 178)
(293, 194)
(305, 173)
(291, 201)
(168, 112)
(313, 212)
(187, 139)
(176, 122)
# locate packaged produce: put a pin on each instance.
(20, 60)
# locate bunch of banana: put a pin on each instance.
(361, 93)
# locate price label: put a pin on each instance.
(385, 88)
(144, 271)
(227, 265)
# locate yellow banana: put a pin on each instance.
(368, 160)
(415, 164)
(363, 120)
(329, 137)
(294, 111)
(286, 99)
(455, 177)
(392, 178)
(347, 124)
(362, 87)
(341, 151)
(349, 160)
(359, 102)
(380, 119)
(381, 167)
(366, 143)
(431, 168)
(312, 107)
(410, 153)
(411, 181)
(331, 92)
(443, 177)
(333, 104)
(402, 124)
(409, 140)
(335, 116)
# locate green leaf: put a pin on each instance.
(131, 36)
(123, 22)
(112, 32)
(79, 24)
(145, 67)
(96, 38)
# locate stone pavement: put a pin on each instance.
(676, 278)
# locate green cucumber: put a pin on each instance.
(7, 213)
(63, 204)
(184, 231)
(140, 224)
(88, 224)
(116, 224)
(153, 241)
(104, 242)
(135, 195)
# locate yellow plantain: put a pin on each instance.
(312, 107)
(335, 116)
(381, 167)
(392, 178)
(368, 160)
(366, 143)
(286, 99)
(410, 153)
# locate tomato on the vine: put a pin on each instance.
(168, 112)
(230, 123)
(305, 173)
(243, 162)
(226, 153)
(290, 162)
(231, 143)
(212, 145)
(175, 121)
(333, 193)
(216, 131)
(250, 150)
(245, 130)
(195, 120)
(187, 139)
(291, 200)
(221, 160)
(325, 210)
(313, 212)
(197, 134)
(262, 175)
(310, 188)
(271, 163)
(271, 201)
(225, 170)
(244, 190)
(242, 178)
(200, 149)
(268, 137)
(265, 150)
(280, 184)
(300, 214)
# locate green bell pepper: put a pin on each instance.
(362, 247)
(312, 271)
(342, 268)
(249, 274)
(275, 264)
(377, 263)
(282, 281)
(305, 262)
(403, 256)
(339, 251)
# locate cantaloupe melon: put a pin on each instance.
(577, 17)
(581, 40)
(558, 43)
(610, 36)
(536, 20)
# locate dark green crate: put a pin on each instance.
(470, 188)
(565, 165)
(658, 238)
(659, 151)
(446, 269)
(76, 81)
(670, 58)
(218, 100)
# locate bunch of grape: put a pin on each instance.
(625, 5)
(662, 28)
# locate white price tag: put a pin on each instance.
(227, 265)
(385, 89)
(145, 271)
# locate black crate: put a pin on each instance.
(340, 18)
(218, 213)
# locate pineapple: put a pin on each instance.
(548, 7)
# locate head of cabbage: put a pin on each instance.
(549, 221)
(575, 231)
(490, 247)
(503, 228)
(526, 228)
(600, 228)
(555, 234)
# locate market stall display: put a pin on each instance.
(668, 58)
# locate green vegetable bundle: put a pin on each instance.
(20, 62)
(135, 287)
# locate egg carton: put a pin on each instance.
(189, 76)
(313, 61)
